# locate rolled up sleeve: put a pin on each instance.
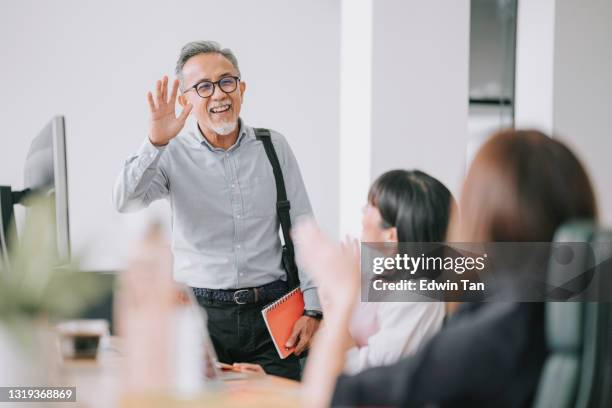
(142, 179)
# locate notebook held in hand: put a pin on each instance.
(280, 317)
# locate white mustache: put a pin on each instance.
(219, 104)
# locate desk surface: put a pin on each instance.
(98, 385)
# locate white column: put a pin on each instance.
(535, 64)
(355, 111)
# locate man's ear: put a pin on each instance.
(182, 100)
(242, 89)
(391, 234)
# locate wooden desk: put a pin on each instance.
(98, 385)
(267, 391)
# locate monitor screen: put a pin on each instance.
(46, 173)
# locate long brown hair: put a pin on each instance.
(522, 186)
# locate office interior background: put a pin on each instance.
(358, 87)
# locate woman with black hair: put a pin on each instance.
(403, 206)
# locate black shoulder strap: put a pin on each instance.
(282, 208)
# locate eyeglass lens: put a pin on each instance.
(207, 88)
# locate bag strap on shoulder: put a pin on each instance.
(283, 206)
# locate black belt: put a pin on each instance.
(261, 294)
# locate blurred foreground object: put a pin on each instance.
(143, 308)
(33, 292)
(82, 338)
(163, 329)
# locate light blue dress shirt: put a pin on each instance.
(225, 230)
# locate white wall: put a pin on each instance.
(94, 62)
(564, 81)
(583, 89)
(418, 95)
(420, 87)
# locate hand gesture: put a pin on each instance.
(334, 268)
(164, 123)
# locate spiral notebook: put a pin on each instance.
(280, 317)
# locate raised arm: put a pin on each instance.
(335, 269)
(143, 178)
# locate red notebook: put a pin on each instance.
(280, 317)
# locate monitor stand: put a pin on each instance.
(8, 230)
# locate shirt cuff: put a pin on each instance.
(147, 154)
(149, 147)
(311, 299)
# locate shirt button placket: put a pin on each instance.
(236, 207)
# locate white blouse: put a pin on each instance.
(387, 331)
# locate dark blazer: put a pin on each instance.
(487, 354)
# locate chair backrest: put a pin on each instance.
(578, 369)
(595, 389)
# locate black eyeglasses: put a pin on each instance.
(205, 89)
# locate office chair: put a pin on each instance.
(578, 370)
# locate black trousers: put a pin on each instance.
(239, 335)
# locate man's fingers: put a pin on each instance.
(164, 89)
(158, 94)
(151, 103)
(302, 344)
(294, 336)
(175, 86)
(186, 110)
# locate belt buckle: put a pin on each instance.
(236, 296)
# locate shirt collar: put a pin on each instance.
(245, 133)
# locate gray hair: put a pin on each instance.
(202, 47)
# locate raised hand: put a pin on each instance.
(334, 267)
(165, 125)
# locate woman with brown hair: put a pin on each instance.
(521, 186)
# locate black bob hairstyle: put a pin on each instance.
(415, 203)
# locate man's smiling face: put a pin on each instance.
(219, 112)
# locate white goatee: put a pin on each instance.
(225, 128)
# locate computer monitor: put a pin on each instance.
(45, 175)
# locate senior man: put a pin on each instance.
(221, 188)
